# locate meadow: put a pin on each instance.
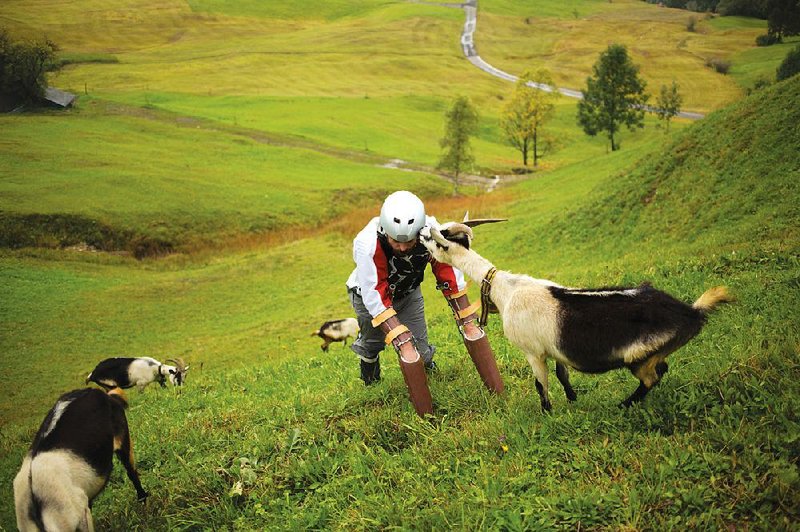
(251, 138)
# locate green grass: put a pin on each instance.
(303, 10)
(757, 65)
(145, 173)
(269, 433)
(519, 36)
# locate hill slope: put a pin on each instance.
(290, 439)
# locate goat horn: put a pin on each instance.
(179, 363)
(481, 221)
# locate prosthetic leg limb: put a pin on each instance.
(477, 346)
(417, 383)
(411, 363)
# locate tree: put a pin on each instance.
(783, 18)
(23, 67)
(790, 65)
(614, 95)
(668, 103)
(524, 116)
(461, 121)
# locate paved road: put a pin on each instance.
(468, 46)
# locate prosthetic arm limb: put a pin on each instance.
(475, 340)
(411, 364)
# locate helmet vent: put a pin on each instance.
(411, 221)
(397, 220)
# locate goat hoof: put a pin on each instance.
(571, 396)
(142, 497)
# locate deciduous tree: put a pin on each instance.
(614, 95)
(526, 113)
(23, 67)
(783, 18)
(461, 122)
(669, 103)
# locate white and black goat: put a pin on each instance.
(337, 331)
(591, 330)
(70, 461)
(123, 372)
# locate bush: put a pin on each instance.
(146, 246)
(790, 65)
(721, 66)
(23, 67)
(691, 26)
(768, 39)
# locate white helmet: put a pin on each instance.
(402, 216)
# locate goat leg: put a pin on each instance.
(562, 372)
(125, 455)
(650, 370)
(546, 406)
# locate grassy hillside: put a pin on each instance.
(269, 433)
(253, 134)
(211, 103)
(565, 37)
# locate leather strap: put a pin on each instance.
(383, 316)
(486, 300)
(469, 311)
(394, 333)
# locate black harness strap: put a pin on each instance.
(486, 301)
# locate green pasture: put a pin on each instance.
(155, 174)
(270, 433)
(252, 135)
(515, 36)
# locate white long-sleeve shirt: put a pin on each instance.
(380, 276)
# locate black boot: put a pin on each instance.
(370, 372)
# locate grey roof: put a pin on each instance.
(59, 97)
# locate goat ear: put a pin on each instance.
(439, 238)
(457, 233)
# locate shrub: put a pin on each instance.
(768, 39)
(721, 66)
(145, 246)
(790, 65)
(691, 25)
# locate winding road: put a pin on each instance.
(468, 46)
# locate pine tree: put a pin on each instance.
(461, 121)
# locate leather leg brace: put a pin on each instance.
(417, 383)
(398, 336)
(478, 348)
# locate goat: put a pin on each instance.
(122, 372)
(337, 331)
(71, 459)
(591, 330)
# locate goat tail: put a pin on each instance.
(315, 333)
(89, 378)
(712, 298)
